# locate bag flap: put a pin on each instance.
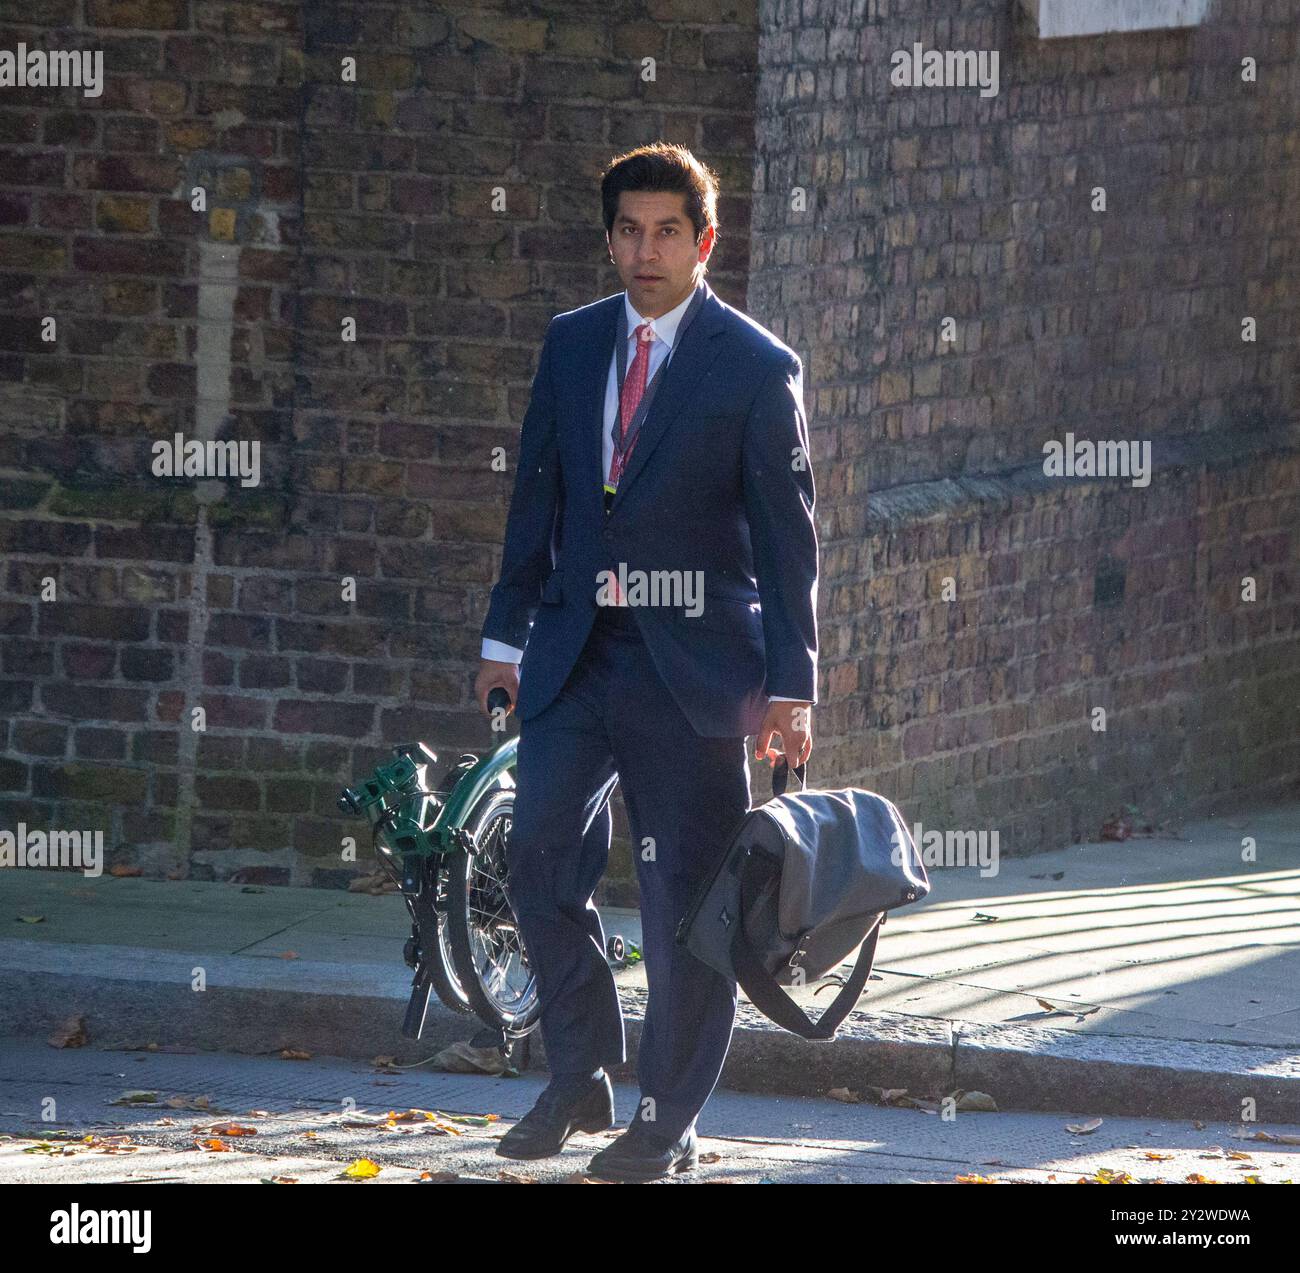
(847, 854)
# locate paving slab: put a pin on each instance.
(1170, 971)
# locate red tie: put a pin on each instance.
(633, 387)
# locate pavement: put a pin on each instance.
(309, 1120)
(1155, 976)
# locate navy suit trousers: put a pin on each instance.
(615, 718)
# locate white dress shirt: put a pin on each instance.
(664, 331)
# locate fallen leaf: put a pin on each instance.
(32, 919)
(362, 1169)
(710, 1157)
(216, 1146)
(136, 1098)
(974, 1179)
(472, 1120)
(462, 1057)
(71, 1034)
(281, 1180)
(981, 918)
(512, 1179)
(292, 1054)
(1084, 1129)
(976, 1103)
(1116, 829)
(843, 1094)
(1152, 1156)
(233, 1129)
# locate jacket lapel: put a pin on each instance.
(692, 358)
(591, 373)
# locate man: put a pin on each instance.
(681, 460)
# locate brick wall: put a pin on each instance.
(974, 707)
(373, 201)
(370, 200)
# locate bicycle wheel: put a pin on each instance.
(442, 961)
(487, 949)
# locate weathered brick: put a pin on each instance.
(148, 665)
(32, 168)
(89, 702)
(129, 173)
(321, 676)
(90, 662)
(108, 623)
(238, 631)
(99, 744)
(123, 216)
(228, 793)
(155, 15)
(14, 774)
(39, 738)
(311, 716)
(109, 256)
(16, 697)
(229, 711)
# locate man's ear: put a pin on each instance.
(707, 239)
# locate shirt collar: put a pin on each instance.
(665, 326)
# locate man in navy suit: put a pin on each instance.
(656, 606)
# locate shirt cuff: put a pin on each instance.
(500, 652)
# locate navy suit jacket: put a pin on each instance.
(719, 481)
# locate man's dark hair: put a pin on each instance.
(662, 166)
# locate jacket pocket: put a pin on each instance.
(726, 614)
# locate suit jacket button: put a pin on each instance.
(607, 535)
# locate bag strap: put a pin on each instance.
(766, 993)
(781, 776)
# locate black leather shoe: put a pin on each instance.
(644, 1155)
(560, 1111)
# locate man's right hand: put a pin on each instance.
(492, 674)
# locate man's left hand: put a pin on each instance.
(793, 721)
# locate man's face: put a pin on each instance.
(653, 248)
